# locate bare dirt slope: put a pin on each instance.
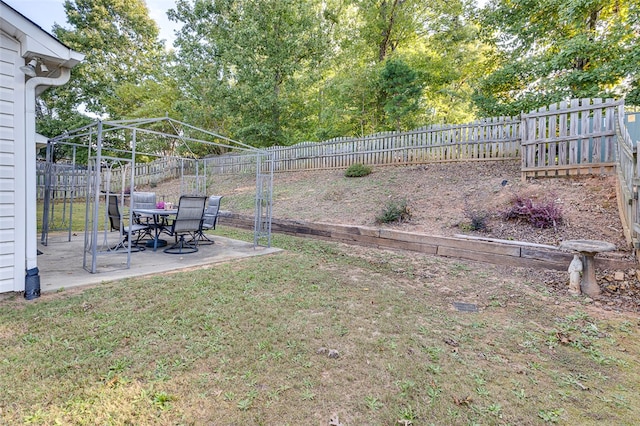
(442, 199)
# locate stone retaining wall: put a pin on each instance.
(501, 252)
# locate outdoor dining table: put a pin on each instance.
(159, 223)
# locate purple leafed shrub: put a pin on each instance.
(541, 214)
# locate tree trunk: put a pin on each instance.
(385, 42)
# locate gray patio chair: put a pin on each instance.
(209, 220)
(188, 221)
(115, 220)
(143, 200)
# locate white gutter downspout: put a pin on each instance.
(32, 282)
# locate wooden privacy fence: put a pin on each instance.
(562, 139)
(567, 138)
(68, 180)
(488, 139)
(628, 175)
(151, 173)
(570, 138)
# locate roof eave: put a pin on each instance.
(35, 41)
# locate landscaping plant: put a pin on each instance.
(477, 220)
(395, 211)
(357, 170)
(545, 213)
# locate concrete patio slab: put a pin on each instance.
(60, 263)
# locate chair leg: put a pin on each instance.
(181, 247)
(136, 244)
(142, 236)
(122, 245)
(200, 238)
(204, 237)
(139, 240)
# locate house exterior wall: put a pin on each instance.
(11, 157)
(22, 41)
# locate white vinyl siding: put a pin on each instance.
(9, 53)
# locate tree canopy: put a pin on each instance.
(120, 43)
(552, 50)
(285, 71)
(123, 73)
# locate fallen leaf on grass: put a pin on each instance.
(462, 401)
(563, 338)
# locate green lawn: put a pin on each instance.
(248, 343)
(59, 215)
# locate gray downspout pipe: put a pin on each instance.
(32, 278)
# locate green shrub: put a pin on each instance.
(357, 170)
(477, 220)
(395, 211)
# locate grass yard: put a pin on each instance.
(59, 218)
(323, 334)
(61, 214)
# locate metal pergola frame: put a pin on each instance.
(103, 160)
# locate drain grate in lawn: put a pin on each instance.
(465, 307)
